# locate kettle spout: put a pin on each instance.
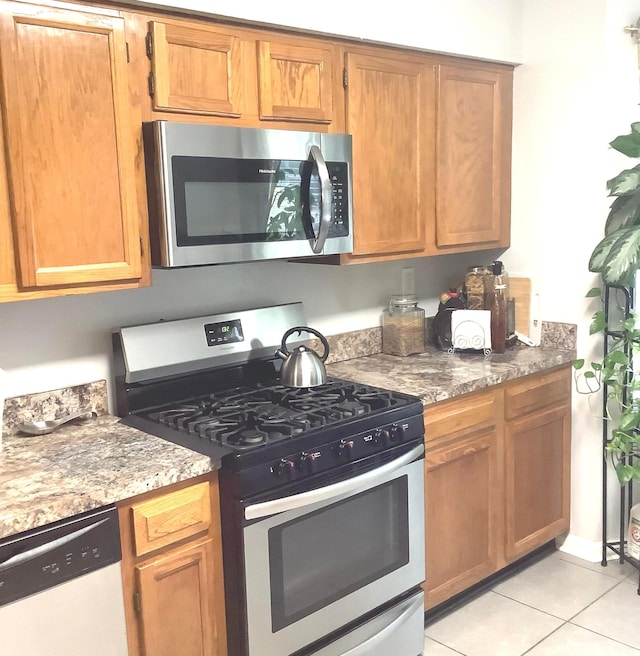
(281, 354)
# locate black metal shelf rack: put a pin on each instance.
(626, 492)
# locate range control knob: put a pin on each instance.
(381, 437)
(345, 449)
(308, 461)
(397, 432)
(284, 469)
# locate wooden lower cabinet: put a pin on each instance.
(497, 479)
(462, 496)
(172, 571)
(537, 459)
(174, 586)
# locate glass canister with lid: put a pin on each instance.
(403, 326)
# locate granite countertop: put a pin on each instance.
(435, 375)
(85, 466)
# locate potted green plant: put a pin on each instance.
(616, 258)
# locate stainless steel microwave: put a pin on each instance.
(222, 194)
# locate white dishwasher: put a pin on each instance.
(61, 589)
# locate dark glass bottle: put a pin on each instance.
(498, 310)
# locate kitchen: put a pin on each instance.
(71, 344)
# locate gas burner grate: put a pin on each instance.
(247, 417)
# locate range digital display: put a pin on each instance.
(223, 332)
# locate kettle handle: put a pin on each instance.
(299, 330)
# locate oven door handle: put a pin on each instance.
(266, 508)
(407, 612)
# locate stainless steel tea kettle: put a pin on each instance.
(302, 367)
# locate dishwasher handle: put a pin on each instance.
(44, 557)
(48, 547)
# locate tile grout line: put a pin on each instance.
(615, 584)
(455, 651)
(545, 637)
(570, 620)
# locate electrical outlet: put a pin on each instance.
(409, 280)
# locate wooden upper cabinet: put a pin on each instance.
(71, 147)
(391, 119)
(195, 69)
(473, 156)
(240, 76)
(295, 82)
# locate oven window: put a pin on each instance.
(326, 555)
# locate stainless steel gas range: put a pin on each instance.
(322, 489)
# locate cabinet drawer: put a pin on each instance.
(536, 392)
(170, 518)
(465, 413)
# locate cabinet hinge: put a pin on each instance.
(152, 85)
(149, 44)
(345, 78)
(137, 604)
(128, 57)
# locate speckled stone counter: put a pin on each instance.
(85, 466)
(435, 376)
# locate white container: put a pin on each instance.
(633, 537)
(3, 395)
(471, 329)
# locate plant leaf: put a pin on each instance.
(578, 364)
(627, 144)
(597, 322)
(628, 420)
(594, 292)
(624, 212)
(617, 357)
(623, 258)
(600, 253)
(625, 473)
(626, 182)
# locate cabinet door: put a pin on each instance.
(195, 69)
(7, 251)
(175, 607)
(71, 148)
(295, 82)
(462, 505)
(473, 156)
(537, 466)
(390, 116)
(172, 571)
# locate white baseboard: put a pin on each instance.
(581, 548)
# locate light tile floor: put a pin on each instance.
(559, 606)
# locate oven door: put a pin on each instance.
(318, 560)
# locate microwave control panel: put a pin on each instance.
(339, 176)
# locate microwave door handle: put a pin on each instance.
(326, 199)
(380, 474)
